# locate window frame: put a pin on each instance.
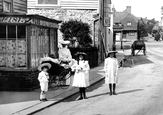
(10, 4)
(16, 53)
(129, 24)
(131, 33)
(48, 4)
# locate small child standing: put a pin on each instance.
(43, 78)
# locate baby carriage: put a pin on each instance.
(59, 75)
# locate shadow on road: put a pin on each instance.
(106, 93)
(130, 91)
(89, 89)
(137, 60)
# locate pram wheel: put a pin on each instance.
(65, 79)
(54, 82)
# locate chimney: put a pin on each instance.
(128, 9)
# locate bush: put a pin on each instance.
(77, 29)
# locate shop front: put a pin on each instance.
(24, 39)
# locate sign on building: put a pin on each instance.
(107, 12)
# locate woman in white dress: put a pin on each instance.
(111, 69)
(81, 76)
(65, 56)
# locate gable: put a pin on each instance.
(130, 19)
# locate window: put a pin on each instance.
(7, 6)
(128, 23)
(131, 33)
(39, 45)
(12, 50)
(47, 2)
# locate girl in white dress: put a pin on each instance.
(43, 78)
(81, 76)
(111, 69)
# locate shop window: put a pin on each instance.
(47, 2)
(7, 6)
(2, 31)
(12, 50)
(21, 32)
(11, 31)
(39, 45)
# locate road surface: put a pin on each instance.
(140, 90)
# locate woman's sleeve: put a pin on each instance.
(70, 56)
(60, 54)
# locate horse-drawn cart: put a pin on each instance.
(138, 45)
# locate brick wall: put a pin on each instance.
(18, 80)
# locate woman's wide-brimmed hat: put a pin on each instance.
(108, 52)
(80, 53)
(43, 65)
(65, 42)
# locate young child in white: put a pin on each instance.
(111, 69)
(43, 78)
(81, 76)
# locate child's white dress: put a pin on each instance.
(111, 69)
(81, 76)
(43, 79)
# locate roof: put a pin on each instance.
(30, 15)
(119, 16)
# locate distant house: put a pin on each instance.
(125, 25)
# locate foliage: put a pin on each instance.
(78, 29)
(151, 23)
(145, 28)
(142, 29)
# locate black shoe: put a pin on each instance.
(40, 99)
(114, 93)
(80, 98)
(85, 97)
(110, 93)
(44, 99)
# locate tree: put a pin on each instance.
(77, 29)
(142, 30)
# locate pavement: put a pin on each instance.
(25, 103)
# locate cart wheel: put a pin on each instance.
(65, 79)
(145, 52)
(133, 52)
(54, 82)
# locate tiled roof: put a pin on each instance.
(119, 16)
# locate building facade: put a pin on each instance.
(83, 10)
(24, 40)
(13, 6)
(128, 24)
